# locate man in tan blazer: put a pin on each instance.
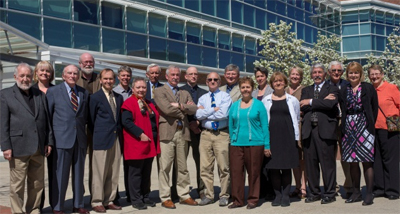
(232, 77)
(174, 105)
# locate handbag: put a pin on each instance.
(393, 122)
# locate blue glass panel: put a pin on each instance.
(350, 29)
(209, 57)
(250, 45)
(209, 37)
(2, 3)
(351, 44)
(380, 29)
(158, 48)
(291, 12)
(300, 31)
(292, 2)
(249, 63)
(280, 8)
(176, 2)
(380, 43)
(237, 12)
(176, 51)
(271, 18)
(250, 15)
(390, 19)
(308, 34)
(271, 6)
(25, 23)
(249, 1)
(86, 37)
(281, 18)
(350, 17)
(136, 20)
(299, 3)
(238, 59)
(307, 6)
(208, 7)
(59, 9)
(380, 17)
(397, 20)
(307, 17)
(365, 43)
(237, 42)
(365, 28)
(193, 54)
(157, 25)
(3, 15)
(86, 11)
(223, 9)
(193, 33)
(364, 16)
(261, 19)
(193, 4)
(136, 45)
(112, 15)
(176, 29)
(389, 30)
(259, 48)
(57, 33)
(32, 6)
(224, 58)
(260, 3)
(224, 40)
(113, 41)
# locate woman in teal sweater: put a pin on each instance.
(248, 130)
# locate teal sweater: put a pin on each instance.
(249, 127)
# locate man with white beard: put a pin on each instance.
(89, 80)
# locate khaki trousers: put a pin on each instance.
(32, 168)
(174, 150)
(105, 165)
(214, 146)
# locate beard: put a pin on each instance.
(87, 70)
(23, 86)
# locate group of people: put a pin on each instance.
(268, 131)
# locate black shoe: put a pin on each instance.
(378, 195)
(149, 202)
(367, 203)
(328, 200)
(393, 197)
(139, 206)
(276, 202)
(348, 195)
(312, 199)
(285, 202)
(354, 199)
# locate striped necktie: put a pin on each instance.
(214, 125)
(74, 100)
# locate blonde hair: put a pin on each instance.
(45, 65)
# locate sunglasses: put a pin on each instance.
(336, 70)
(211, 79)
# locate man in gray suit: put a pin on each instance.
(26, 137)
(68, 107)
(232, 76)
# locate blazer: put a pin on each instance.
(105, 128)
(148, 91)
(369, 100)
(68, 125)
(326, 111)
(169, 115)
(235, 92)
(22, 130)
(199, 92)
(342, 83)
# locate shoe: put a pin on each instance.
(139, 206)
(128, 200)
(99, 209)
(367, 203)
(201, 196)
(295, 193)
(223, 202)
(276, 202)
(168, 204)
(328, 200)
(233, 206)
(285, 202)
(393, 197)
(149, 202)
(348, 195)
(312, 199)
(189, 201)
(251, 206)
(269, 197)
(57, 212)
(113, 207)
(353, 200)
(378, 195)
(205, 201)
(80, 210)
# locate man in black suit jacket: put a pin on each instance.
(196, 92)
(26, 137)
(153, 72)
(319, 104)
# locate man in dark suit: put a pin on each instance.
(26, 137)
(196, 92)
(68, 108)
(319, 102)
(105, 106)
(153, 72)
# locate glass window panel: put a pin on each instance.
(249, 1)
(365, 43)
(136, 45)
(224, 58)
(209, 57)
(389, 30)
(315, 34)
(3, 15)
(57, 33)
(193, 54)
(280, 7)
(224, 40)
(238, 59)
(299, 15)
(193, 33)
(223, 9)
(380, 29)
(59, 9)
(291, 12)
(176, 2)
(397, 20)
(113, 41)
(193, 4)
(250, 45)
(237, 42)
(249, 63)
(373, 42)
(380, 43)
(2, 3)
(250, 15)
(380, 17)
(350, 17)
(157, 25)
(261, 19)
(307, 6)
(176, 51)
(260, 3)
(237, 11)
(86, 11)
(112, 15)
(300, 31)
(28, 24)
(271, 18)
(136, 20)
(271, 6)
(158, 48)
(350, 29)
(299, 3)
(307, 17)
(209, 36)
(308, 34)
(208, 7)
(32, 6)
(86, 37)
(351, 44)
(390, 19)
(176, 29)
(364, 15)
(365, 28)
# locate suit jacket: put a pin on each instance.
(235, 92)
(95, 83)
(326, 112)
(22, 130)
(342, 83)
(148, 92)
(68, 125)
(369, 100)
(199, 92)
(105, 128)
(169, 115)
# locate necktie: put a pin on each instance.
(213, 105)
(152, 90)
(112, 104)
(74, 100)
(314, 116)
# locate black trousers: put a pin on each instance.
(139, 179)
(386, 166)
(196, 157)
(320, 153)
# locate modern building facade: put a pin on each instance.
(208, 34)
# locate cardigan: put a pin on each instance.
(389, 101)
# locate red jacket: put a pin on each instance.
(134, 149)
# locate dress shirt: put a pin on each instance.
(69, 92)
(124, 93)
(230, 87)
(108, 95)
(208, 115)
(151, 86)
(319, 89)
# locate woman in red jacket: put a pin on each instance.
(141, 142)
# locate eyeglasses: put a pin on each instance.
(336, 70)
(211, 79)
(375, 74)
